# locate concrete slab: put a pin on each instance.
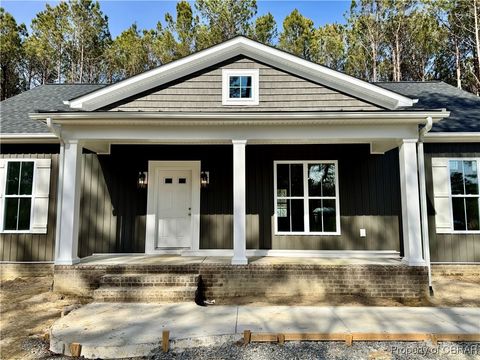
(301, 319)
(115, 330)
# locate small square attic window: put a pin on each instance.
(240, 87)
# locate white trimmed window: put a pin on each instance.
(24, 192)
(306, 198)
(456, 195)
(240, 87)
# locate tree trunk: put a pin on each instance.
(477, 36)
(397, 59)
(457, 65)
(81, 64)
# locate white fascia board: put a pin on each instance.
(25, 138)
(240, 46)
(453, 137)
(102, 118)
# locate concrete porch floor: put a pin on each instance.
(119, 259)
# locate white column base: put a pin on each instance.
(239, 261)
(414, 262)
(67, 261)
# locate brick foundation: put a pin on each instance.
(265, 281)
(456, 270)
(16, 270)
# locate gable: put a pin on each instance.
(278, 91)
(240, 46)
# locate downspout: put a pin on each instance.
(423, 199)
(61, 159)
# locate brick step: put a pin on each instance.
(144, 294)
(164, 279)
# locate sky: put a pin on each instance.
(123, 13)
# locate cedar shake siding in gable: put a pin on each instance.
(113, 209)
(449, 247)
(279, 91)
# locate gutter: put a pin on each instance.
(57, 132)
(423, 198)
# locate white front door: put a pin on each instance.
(174, 208)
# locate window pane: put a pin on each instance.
(315, 214)
(246, 93)
(283, 180)
(456, 176)
(246, 81)
(24, 214)
(11, 208)
(290, 215)
(471, 177)
(458, 207)
(235, 81)
(283, 218)
(297, 215)
(329, 216)
(13, 173)
(296, 174)
(26, 179)
(321, 180)
(472, 213)
(234, 93)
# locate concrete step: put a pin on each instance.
(164, 280)
(145, 294)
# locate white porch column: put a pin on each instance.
(412, 237)
(67, 245)
(239, 204)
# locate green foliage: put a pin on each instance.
(298, 35)
(11, 50)
(381, 40)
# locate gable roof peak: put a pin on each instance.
(240, 45)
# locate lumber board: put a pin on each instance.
(390, 337)
(165, 340)
(75, 349)
(458, 337)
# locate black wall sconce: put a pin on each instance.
(142, 180)
(204, 178)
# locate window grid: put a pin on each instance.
(241, 80)
(18, 195)
(306, 197)
(463, 196)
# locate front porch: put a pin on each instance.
(166, 278)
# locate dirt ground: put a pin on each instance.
(28, 308)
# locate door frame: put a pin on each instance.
(152, 195)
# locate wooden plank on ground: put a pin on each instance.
(458, 337)
(390, 337)
(314, 337)
(247, 334)
(263, 338)
(165, 340)
(75, 349)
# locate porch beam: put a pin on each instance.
(68, 224)
(412, 238)
(239, 204)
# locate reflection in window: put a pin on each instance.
(465, 194)
(306, 197)
(18, 195)
(240, 87)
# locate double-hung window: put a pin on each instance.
(464, 194)
(306, 198)
(24, 195)
(240, 87)
(18, 195)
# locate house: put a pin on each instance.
(242, 150)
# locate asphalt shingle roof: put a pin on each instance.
(14, 111)
(464, 107)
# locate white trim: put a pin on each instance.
(227, 100)
(456, 262)
(227, 50)
(151, 229)
(305, 198)
(453, 137)
(417, 117)
(343, 254)
(25, 138)
(3, 189)
(239, 204)
(451, 196)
